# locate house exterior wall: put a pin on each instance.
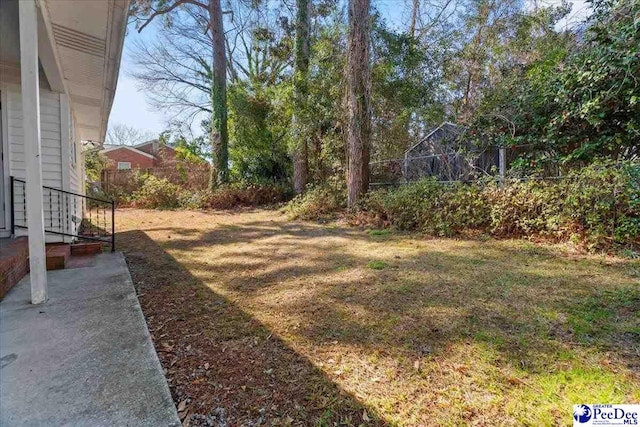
(75, 179)
(51, 156)
(137, 160)
(59, 147)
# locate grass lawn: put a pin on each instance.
(260, 320)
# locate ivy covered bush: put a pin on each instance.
(429, 206)
(577, 101)
(598, 207)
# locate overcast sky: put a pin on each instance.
(131, 108)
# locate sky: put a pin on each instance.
(130, 106)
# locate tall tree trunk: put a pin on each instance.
(415, 11)
(475, 67)
(300, 90)
(358, 100)
(219, 132)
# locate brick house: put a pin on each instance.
(147, 155)
(164, 154)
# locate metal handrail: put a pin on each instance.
(66, 192)
(64, 209)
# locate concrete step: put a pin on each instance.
(57, 256)
(14, 258)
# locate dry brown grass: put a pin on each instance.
(257, 318)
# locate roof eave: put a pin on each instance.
(114, 58)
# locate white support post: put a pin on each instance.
(31, 130)
(65, 152)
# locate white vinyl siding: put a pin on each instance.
(74, 176)
(51, 154)
(50, 136)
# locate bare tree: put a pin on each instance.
(175, 74)
(149, 10)
(415, 12)
(300, 82)
(121, 134)
(358, 100)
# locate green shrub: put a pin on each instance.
(157, 193)
(524, 208)
(602, 204)
(195, 199)
(319, 202)
(598, 206)
(436, 208)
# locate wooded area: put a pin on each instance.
(300, 91)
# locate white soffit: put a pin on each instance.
(88, 37)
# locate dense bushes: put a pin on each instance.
(156, 193)
(427, 205)
(235, 195)
(598, 207)
(160, 193)
(320, 201)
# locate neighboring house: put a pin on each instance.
(59, 63)
(147, 155)
(125, 157)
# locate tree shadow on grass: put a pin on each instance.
(251, 231)
(223, 366)
(515, 312)
(491, 295)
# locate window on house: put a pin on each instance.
(124, 165)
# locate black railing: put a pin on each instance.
(66, 214)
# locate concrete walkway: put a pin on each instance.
(85, 358)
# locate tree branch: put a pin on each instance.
(169, 9)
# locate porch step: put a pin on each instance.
(14, 259)
(14, 262)
(86, 248)
(57, 256)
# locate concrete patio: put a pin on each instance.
(83, 358)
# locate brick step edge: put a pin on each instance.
(86, 248)
(57, 255)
